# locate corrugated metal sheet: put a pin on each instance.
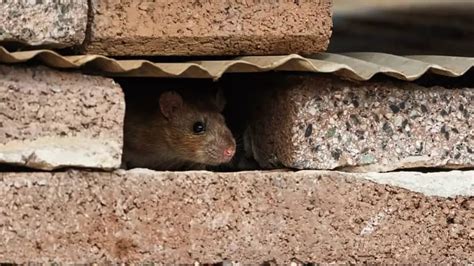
(359, 66)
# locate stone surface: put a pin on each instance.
(249, 217)
(318, 122)
(209, 27)
(51, 119)
(49, 23)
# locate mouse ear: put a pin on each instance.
(220, 100)
(170, 102)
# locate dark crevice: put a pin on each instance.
(90, 21)
(351, 169)
(9, 168)
(431, 169)
(235, 112)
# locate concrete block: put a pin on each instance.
(316, 122)
(55, 24)
(248, 217)
(51, 119)
(209, 27)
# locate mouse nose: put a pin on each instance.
(229, 152)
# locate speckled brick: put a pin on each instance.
(316, 122)
(249, 217)
(207, 27)
(51, 119)
(47, 23)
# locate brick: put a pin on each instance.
(209, 27)
(249, 217)
(318, 122)
(52, 119)
(55, 24)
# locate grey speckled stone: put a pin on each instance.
(51, 119)
(314, 122)
(54, 24)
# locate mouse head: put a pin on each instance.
(196, 129)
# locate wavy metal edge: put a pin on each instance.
(358, 66)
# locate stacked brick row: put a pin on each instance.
(200, 27)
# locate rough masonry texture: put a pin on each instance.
(249, 217)
(319, 122)
(51, 119)
(54, 24)
(209, 27)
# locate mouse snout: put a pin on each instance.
(226, 146)
(229, 152)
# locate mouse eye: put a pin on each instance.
(199, 128)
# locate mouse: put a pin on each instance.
(177, 129)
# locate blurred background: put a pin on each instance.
(404, 27)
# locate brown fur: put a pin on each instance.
(159, 131)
